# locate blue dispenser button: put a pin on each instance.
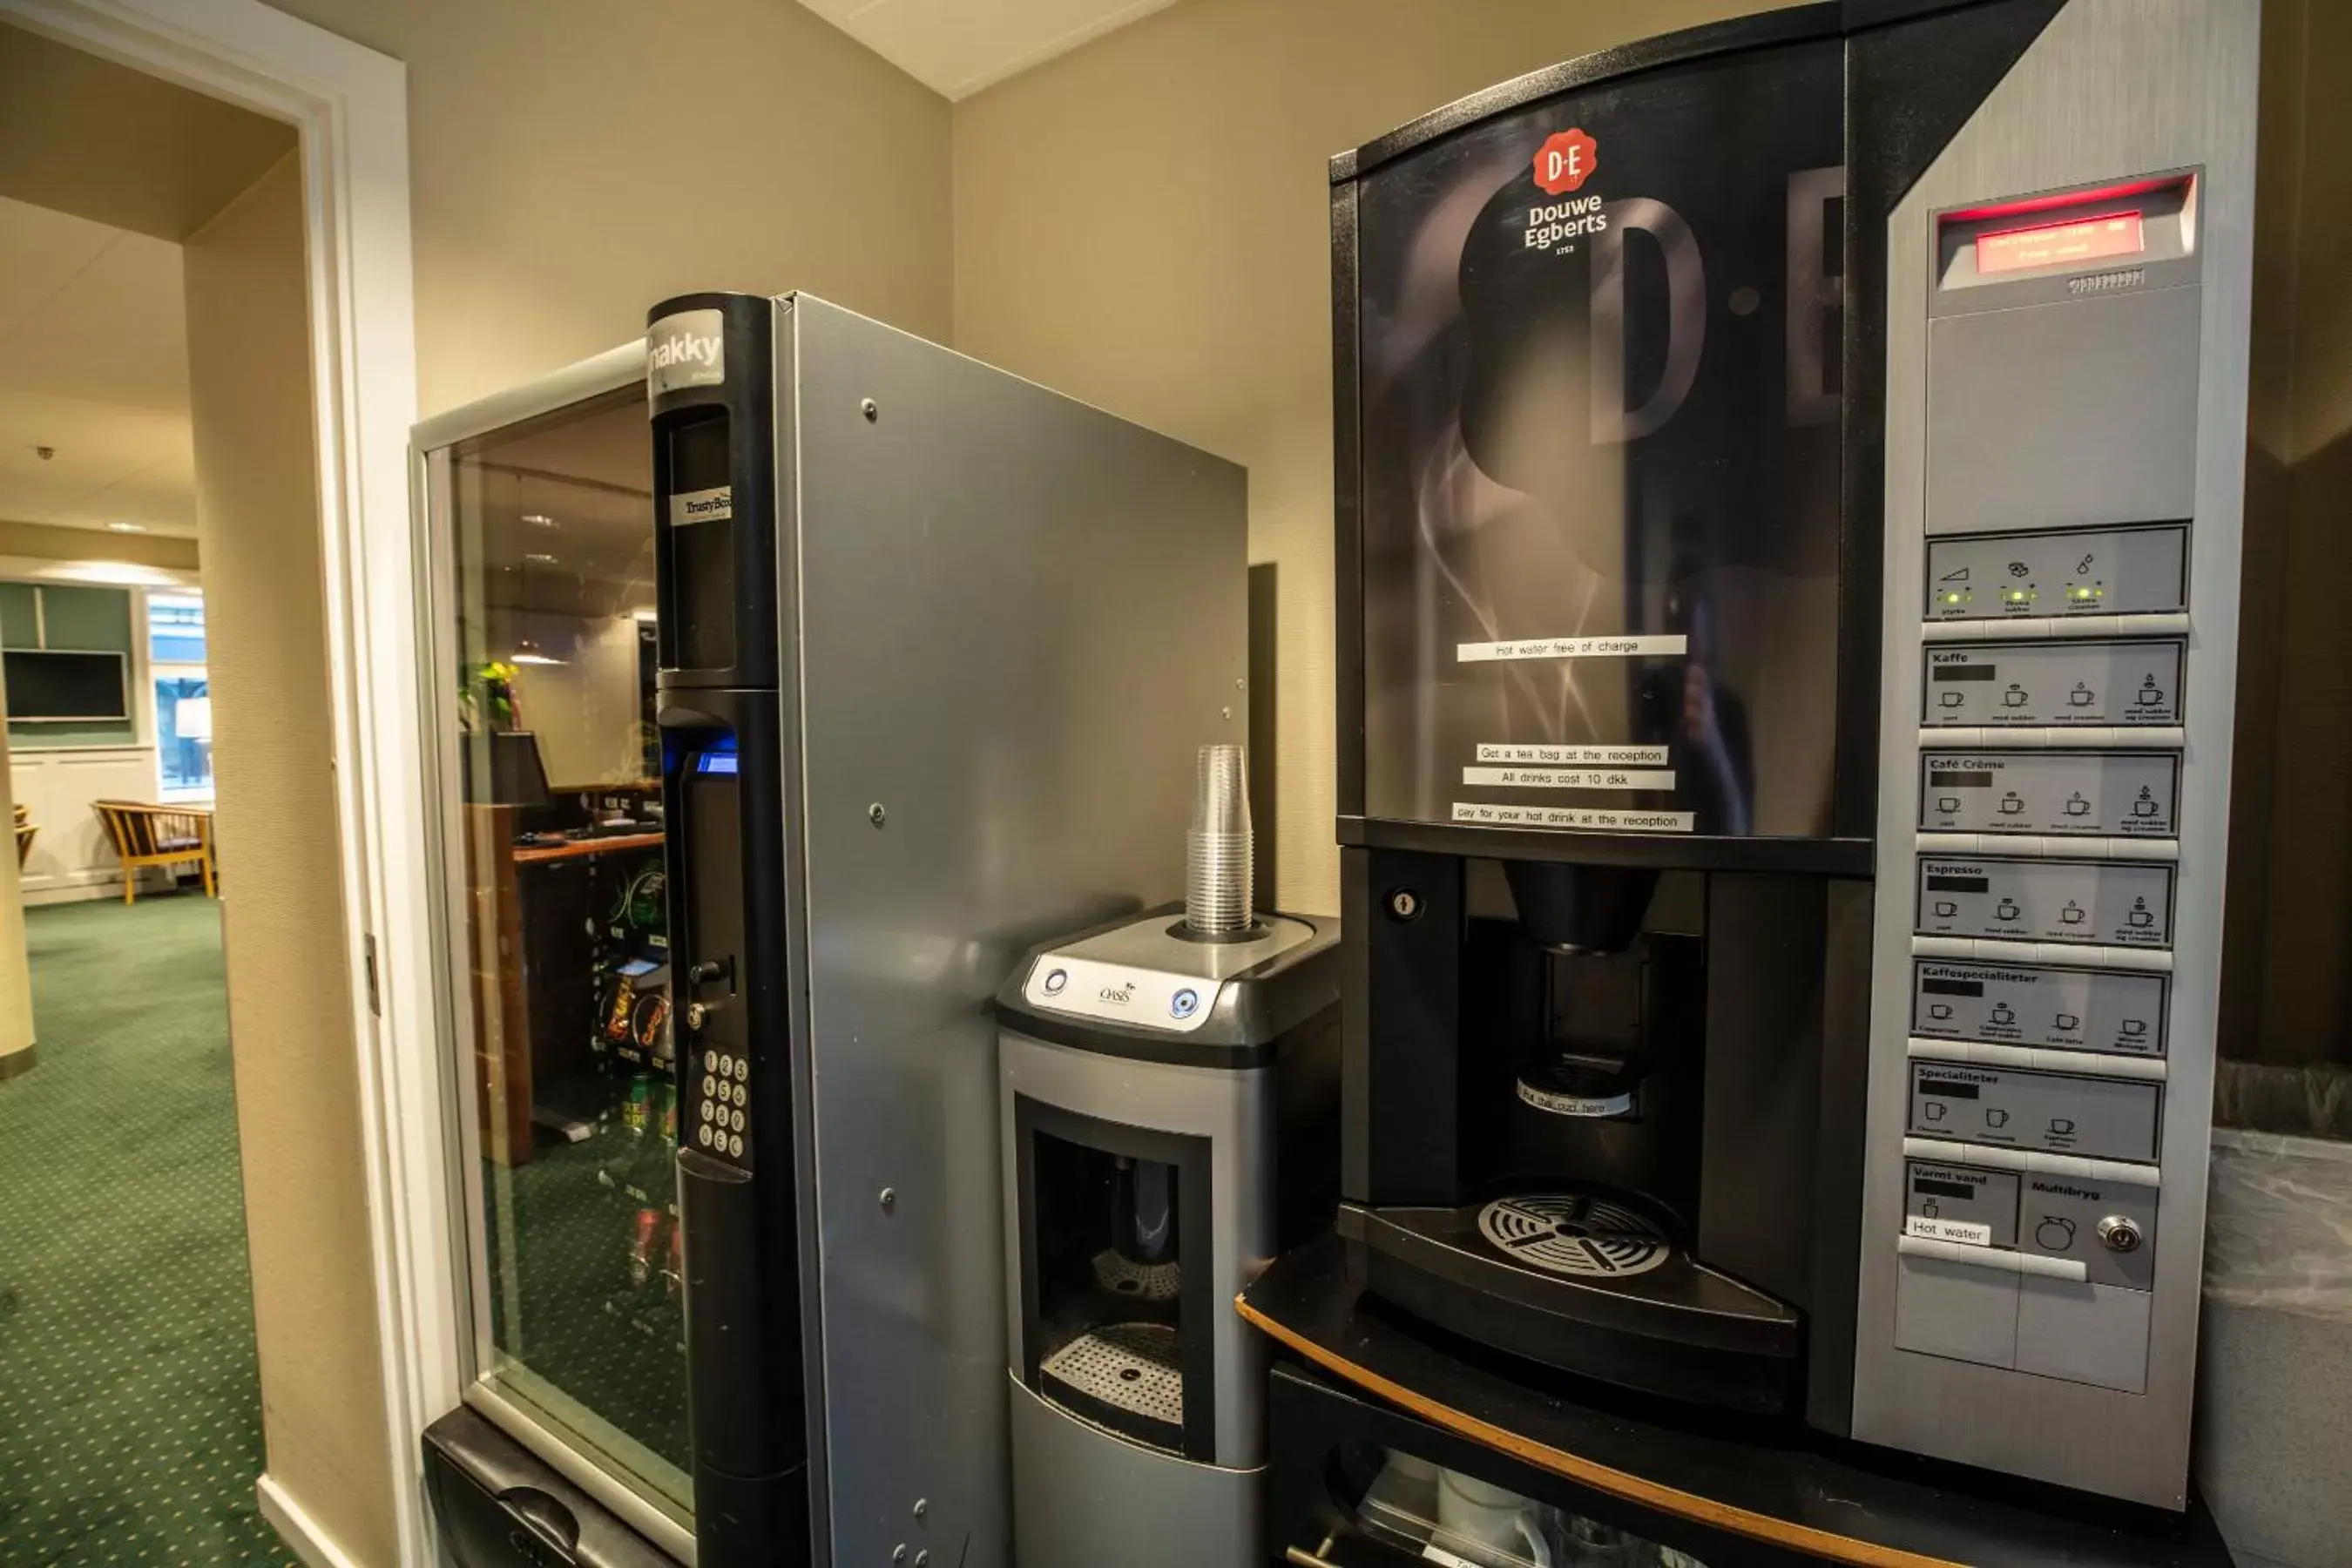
(1185, 1004)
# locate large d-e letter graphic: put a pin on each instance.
(1686, 321)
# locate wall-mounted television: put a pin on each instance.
(49, 686)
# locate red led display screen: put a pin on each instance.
(2067, 244)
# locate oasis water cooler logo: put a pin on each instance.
(1563, 165)
(689, 349)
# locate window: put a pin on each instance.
(183, 704)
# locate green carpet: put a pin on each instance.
(129, 1408)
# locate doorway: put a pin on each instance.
(260, 1021)
(128, 1378)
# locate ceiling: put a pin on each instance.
(93, 365)
(956, 48)
(103, 169)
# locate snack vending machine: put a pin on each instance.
(937, 648)
(797, 677)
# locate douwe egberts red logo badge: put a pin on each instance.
(1565, 161)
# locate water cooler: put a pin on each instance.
(1168, 1104)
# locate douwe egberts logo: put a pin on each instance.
(1565, 161)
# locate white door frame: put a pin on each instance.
(350, 105)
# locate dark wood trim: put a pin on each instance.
(581, 848)
(16, 1062)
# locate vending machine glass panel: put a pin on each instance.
(559, 960)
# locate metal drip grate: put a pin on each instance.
(1141, 1281)
(1574, 1234)
(1132, 1367)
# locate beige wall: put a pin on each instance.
(46, 542)
(1145, 224)
(572, 162)
(297, 1092)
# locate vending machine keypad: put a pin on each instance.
(722, 1103)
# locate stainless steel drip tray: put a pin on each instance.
(1125, 1377)
(1579, 1261)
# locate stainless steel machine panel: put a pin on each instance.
(2012, 576)
(2098, 1117)
(2085, 382)
(2070, 682)
(2086, 435)
(955, 807)
(2111, 1010)
(2118, 794)
(2046, 900)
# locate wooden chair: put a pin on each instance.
(26, 834)
(148, 834)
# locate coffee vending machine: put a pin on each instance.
(936, 648)
(1789, 486)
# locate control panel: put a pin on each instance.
(2127, 905)
(2058, 644)
(2125, 793)
(2016, 576)
(2037, 1006)
(2069, 681)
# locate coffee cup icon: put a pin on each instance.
(2014, 696)
(2008, 910)
(2146, 805)
(2082, 696)
(2073, 914)
(2149, 694)
(2001, 1014)
(1996, 1118)
(2067, 1023)
(1934, 1111)
(1947, 803)
(1954, 699)
(2011, 803)
(2076, 805)
(1945, 909)
(1940, 1011)
(2141, 916)
(2134, 1028)
(2063, 1126)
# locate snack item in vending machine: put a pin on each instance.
(675, 1274)
(644, 1247)
(645, 905)
(669, 1112)
(636, 1110)
(619, 1006)
(650, 1022)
